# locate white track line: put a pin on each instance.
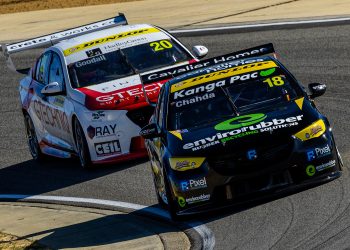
(259, 25)
(208, 239)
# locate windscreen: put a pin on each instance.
(99, 67)
(228, 93)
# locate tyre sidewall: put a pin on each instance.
(38, 156)
(86, 162)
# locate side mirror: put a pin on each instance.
(200, 51)
(150, 131)
(53, 88)
(317, 89)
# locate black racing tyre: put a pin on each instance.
(32, 139)
(171, 201)
(81, 145)
(159, 199)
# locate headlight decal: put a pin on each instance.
(185, 163)
(315, 130)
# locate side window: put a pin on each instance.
(55, 72)
(41, 68)
(37, 67)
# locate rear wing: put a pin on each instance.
(51, 39)
(242, 54)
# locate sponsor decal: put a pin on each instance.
(108, 39)
(310, 170)
(316, 153)
(195, 99)
(213, 85)
(146, 132)
(226, 61)
(252, 155)
(243, 126)
(107, 148)
(325, 166)
(102, 131)
(183, 164)
(170, 74)
(64, 34)
(59, 101)
(193, 184)
(267, 72)
(181, 201)
(201, 198)
(98, 116)
(93, 52)
(194, 199)
(137, 91)
(90, 61)
(124, 44)
(52, 117)
(316, 129)
(240, 121)
(222, 74)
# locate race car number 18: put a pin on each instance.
(274, 81)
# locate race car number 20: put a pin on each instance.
(161, 45)
(107, 148)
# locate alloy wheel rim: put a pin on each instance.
(80, 145)
(31, 137)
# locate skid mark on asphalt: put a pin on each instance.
(292, 214)
(207, 236)
(306, 241)
(239, 13)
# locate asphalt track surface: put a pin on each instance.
(317, 218)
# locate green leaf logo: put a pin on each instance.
(310, 170)
(181, 201)
(240, 121)
(267, 72)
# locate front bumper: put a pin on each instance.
(218, 186)
(214, 205)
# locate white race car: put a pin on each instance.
(85, 96)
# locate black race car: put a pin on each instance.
(237, 130)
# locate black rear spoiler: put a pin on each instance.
(173, 72)
(53, 38)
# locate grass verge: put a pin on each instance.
(12, 242)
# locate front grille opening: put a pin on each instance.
(240, 190)
(140, 116)
(237, 163)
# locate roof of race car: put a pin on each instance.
(108, 40)
(220, 71)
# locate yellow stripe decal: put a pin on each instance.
(108, 39)
(177, 134)
(300, 102)
(222, 74)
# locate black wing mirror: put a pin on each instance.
(150, 131)
(317, 89)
